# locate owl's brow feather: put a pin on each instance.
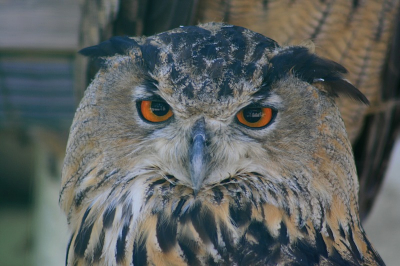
(150, 84)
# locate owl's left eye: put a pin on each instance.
(155, 111)
(255, 117)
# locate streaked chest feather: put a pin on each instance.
(240, 221)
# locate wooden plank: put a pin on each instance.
(39, 24)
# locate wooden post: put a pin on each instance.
(50, 236)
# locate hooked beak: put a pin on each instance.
(198, 155)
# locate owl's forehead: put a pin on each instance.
(213, 61)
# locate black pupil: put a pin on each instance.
(159, 108)
(252, 115)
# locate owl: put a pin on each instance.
(212, 145)
(363, 36)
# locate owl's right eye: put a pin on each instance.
(154, 111)
(255, 117)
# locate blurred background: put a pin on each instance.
(40, 86)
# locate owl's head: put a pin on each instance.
(201, 105)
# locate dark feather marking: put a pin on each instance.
(238, 42)
(139, 254)
(341, 231)
(274, 257)
(166, 230)
(249, 69)
(303, 227)
(204, 222)
(106, 177)
(126, 207)
(261, 48)
(236, 67)
(188, 91)
(68, 247)
(198, 62)
(150, 84)
(299, 216)
(225, 88)
(256, 174)
(209, 51)
(177, 211)
(273, 194)
(330, 233)
(108, 217)
(81, 195)
(335, 257)
(150, 55)
(353, 245)
(226, 181)
(257, 253)
(99, 247)
(311, 68)
(175, 75)
(216, 69)
(83, 236)
(262, 211)
(306, 252)
(226, 237)
(285, 194)
(245, 190)
(260, 232)
(189, 249)
(121, 241)
(296, 182)
(321, 206)
(210, 261)
(116, 45)
(157, 182)
(349, 250)
(240, 214)
(218, 195)
(185, 214)
(283, 237)
(171, 178)
(150, 190)
(101, 172)
(320, 244)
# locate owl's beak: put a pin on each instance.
(198, 155)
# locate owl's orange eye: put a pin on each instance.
(155, 111)
(255, 117)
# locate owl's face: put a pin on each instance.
(215, 123)
(209, 105)
(205, 139)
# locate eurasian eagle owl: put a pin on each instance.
(212, 145)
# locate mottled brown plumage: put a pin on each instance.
(201, 187)
(361, 35)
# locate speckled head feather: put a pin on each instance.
(247, 161)
(236, 51)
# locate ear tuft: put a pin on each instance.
(116, 45)
(314, 70)
(343, 87)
